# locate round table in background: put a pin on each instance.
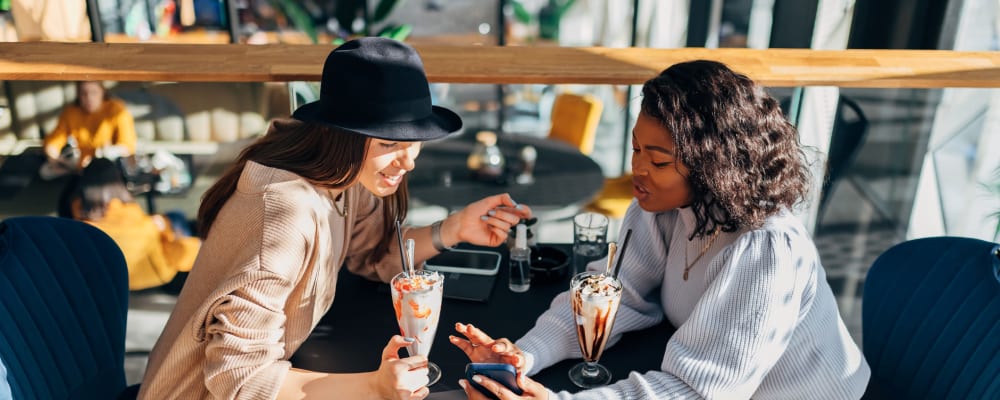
(565, 180)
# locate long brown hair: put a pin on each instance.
(323, 155)
(745, 159)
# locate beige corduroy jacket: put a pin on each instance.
(264, 277)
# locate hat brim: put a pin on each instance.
(439, 124)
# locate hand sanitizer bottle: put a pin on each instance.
(520, 261)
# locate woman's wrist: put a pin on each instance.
(375, 386)
(436, 237)
(450, 226)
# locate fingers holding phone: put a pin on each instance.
(499, 381)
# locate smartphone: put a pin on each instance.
(472, 262)
(503, 373)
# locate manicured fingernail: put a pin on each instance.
(477, 378)
(485, 218)
(491, 212)
(515, 203)
(409, 340)
(461, 382)
(519, 207)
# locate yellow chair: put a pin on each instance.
(614, 198)
(574, 120)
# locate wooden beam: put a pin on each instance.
(486, 64)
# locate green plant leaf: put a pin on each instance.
(346, 12)
(383, 9)
(396, 32)
(521, 14)
(300, 18)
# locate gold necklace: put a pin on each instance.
(341, 211)
(703, 250)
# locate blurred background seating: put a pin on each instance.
(184, 118)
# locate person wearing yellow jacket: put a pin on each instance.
(154, 250)
(94, 123)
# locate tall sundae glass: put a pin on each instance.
(595, 299)
(416, 298)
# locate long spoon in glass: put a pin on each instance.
(612, 248)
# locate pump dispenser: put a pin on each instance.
(520, 261)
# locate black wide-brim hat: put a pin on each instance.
(377, 87)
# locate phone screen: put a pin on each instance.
(475, 262)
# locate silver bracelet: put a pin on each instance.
(436, 237)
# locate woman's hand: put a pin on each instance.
(485, 222)
(398, 378)
(532, 389)
(481, 348)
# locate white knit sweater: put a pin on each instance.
(755, 319)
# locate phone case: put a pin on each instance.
(503, 373)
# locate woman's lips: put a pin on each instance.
(639, 191)
(391, 180)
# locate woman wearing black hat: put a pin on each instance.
(315, 193)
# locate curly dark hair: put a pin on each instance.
(744, 156)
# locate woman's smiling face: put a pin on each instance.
(385, 164)
(659, 178)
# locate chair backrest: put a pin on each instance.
(63, 306)
(931, 320)
(574, 120)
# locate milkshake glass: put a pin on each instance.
(417, 301)
(595, 298)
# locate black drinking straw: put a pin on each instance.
(402, 249)
(621, 254)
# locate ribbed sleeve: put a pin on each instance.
(762, 324)
(244, 333)
(553, 337)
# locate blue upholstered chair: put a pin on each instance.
(63, 305)
(931, 320)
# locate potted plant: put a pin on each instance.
(548, 16)
(351, 19)
(349, 12)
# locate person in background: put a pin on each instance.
(156, 250)
(716, 250)
(94, 123)
(317, 193)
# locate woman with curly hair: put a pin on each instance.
(717, 251)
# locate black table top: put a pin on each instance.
(565, 179)
(351, 336)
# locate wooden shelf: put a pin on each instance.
(488, 64)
